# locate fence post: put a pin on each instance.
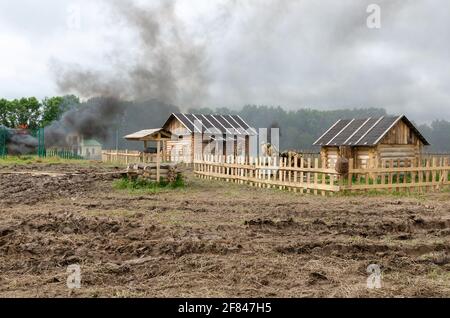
(323, 176)
(308, 176)
(280, 172)
(316, 175)
(3, 150)
(258, 170)
(427, 174)
(433, 174)
(41, 142)
(350, 173)
(446, 171)
(302, 174)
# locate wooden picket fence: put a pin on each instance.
(424, 175)
(308, 175)
(302, 175)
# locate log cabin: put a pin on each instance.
(372, 141)
(185, 135)
(212, 134)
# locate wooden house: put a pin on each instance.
(87, 148)
(187, 135)
(212, 134)
(371, 141)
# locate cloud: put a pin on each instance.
(295, 53)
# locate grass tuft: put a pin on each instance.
(139, 185)
(376, 193)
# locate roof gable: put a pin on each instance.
(363, 132)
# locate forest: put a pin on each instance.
(298, 128)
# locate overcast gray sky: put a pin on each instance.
(293, 53)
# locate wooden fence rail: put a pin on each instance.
(308, 175)
(126, 157)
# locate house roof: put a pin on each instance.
(148, 134)
(91, 143)
(213, 124)
(363, 132)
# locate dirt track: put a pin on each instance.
(213, 239)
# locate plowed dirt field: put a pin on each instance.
(213, 239)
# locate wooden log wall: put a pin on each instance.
(167, 172)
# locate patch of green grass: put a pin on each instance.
(30, 159)
(142, 185)
(33, 159)
(374, 193)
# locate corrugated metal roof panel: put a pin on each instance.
(212, 128)
(368, 123)
(347, 132)
(241, 122)
(198, 125)
(380, 129)
(198, 121)
(331, 133)
(185, 121)
(223, 122)
(363, 132)
(216, 123)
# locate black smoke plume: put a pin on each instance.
(92, 120)
(168, 65)
(19, 141)
(168, 68)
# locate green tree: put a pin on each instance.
(24, 112)
(54, 107)
(4, 112)
(51, 110)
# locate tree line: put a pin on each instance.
(298, 128)
(33, 113)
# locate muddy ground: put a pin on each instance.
(213, 239)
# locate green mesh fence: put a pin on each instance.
(41, 151)
(3, 149)
(63, 154)
(40, 135)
